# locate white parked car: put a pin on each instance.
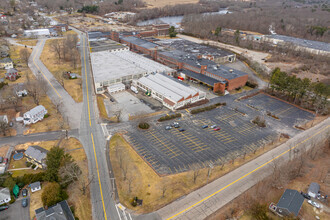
(315, 204)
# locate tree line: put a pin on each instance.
(300, 91)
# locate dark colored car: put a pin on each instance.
(305, 195)
(3, 208)
(181, 129)
(24, 192)
(24, 202)
(112, 100)
(205, 126)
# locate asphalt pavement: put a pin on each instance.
(16, 211)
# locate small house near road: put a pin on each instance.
(12, 74)
(290, 203)
(4, 195)
(6, 63)
(36, 186)
(59, 211)
(34, 115)
(36, 155)
(313, 190)
(4, 118)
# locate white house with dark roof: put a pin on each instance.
(36, 155)
(60, 211)
(34, 115)
(4, 195)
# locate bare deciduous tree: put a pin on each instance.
(56, 46)
(24, 55)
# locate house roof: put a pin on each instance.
(35, 185)
(4, 193)
(12, 70)
(140, 42)
(314, 188)
(291, 200)
(60, 211)
(6, 60)
(3, 117)
(36, 152)
(36, 110)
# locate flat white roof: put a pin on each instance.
(115, 86)
(149, 65)
(168, 87)
(107, 66)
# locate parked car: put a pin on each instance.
(217, 129)
(24, 192)
(205, 126)
(5, 160)
(168, 127)
(3, 208)
(24, 202)
(182, 129)
(315, 204)
(305, 195)
(213, 126)
(112, 100)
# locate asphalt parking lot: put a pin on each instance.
(16, 211)
(288, 114)
(172, 151)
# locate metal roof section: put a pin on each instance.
(314, 188)
(318, 45)
(203, 78)
(107, 66)
(194, 48)
(140, 42)
(36, 110)
(105, 44)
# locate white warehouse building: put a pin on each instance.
(172, 94)
(110, 68)
(36, 33)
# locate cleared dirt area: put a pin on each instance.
(57, 68)
(80, 201)
(162, 3)
(134, 177)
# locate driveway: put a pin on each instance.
(16, 211)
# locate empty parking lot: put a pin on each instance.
(288, 114)
(172, 151)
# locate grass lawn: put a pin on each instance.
(53, 123)
(101, 106)
(81, 203)
(28, 42)
(147, 185)
(49, 58)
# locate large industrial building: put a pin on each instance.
(171, 93)
(188, 62)
(111, 68)
(200, 50)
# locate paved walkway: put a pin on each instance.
(205, 201)
(69, 109)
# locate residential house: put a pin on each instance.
(6, 63)
(4, 118)
(61, 27)
(4, 195)
(36, 155)
(12, 74)
(34, 115)
(20, 90)
(59, 211)
(313, 190)
(289, 204)
(36, 186)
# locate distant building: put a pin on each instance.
(36, 186)
(60, 211)
(36, 33)
(6, 63)
(4, 118)
(34, 115)
(12, 74)
(36, 155)
(289, 203)
(313, 190)
(4, 196)
(61, 27)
